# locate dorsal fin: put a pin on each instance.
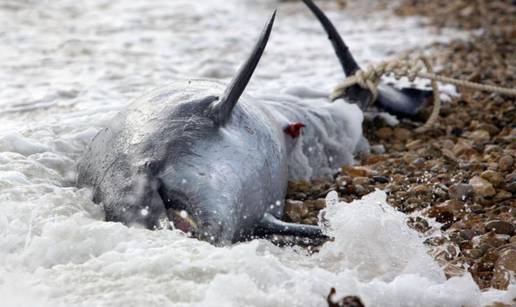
(220, 110)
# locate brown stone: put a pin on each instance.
(482, 187)
(361, 181)
(504, 267)
(493, 177)
(503, 195)
(357, 171)
(500, 227)
(420, 189)
(413, 145)
(384, 133)
(299, 186)
(461, 191)
(491, 148)
(295, 210)
(463, 148)
(447, 211)
(480, 136)
(402, 134)
(316, 204)
(505, 163)
(373, 159)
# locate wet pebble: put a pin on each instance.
(506, 163)
(461, 191)
(295, 210)
(493, 177)
(500, 227)
(482, 187)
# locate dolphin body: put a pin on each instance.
(212, 161)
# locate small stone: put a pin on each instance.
(378, 149)
(511, 187)
(477, 209)
(381, 179)
(342, 181)
(482, 187)
(299, 186)
(491, 129)
(491, 148)
(310, 221)
(493, 177)
(461, 191)
(295, 210)
(447, 212)
(503, 195)
(420, 189)
(348, 301)
(500, 227)
(448, 144)
(402, 134)
(418, 162)
(360, 190)
(414, 145)
(480, 136)
(419, 224)
(505, 163)
(476, 253)
(490, 240)
(357, 171)
(361, 181)
(373, 159)
(467, 234)
(384, 133)
(463, 148)
(316, 204)
(504, 267)
(457, 132)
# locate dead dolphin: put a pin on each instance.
(211, 160)
(405, 102)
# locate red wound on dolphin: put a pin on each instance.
(294, 129)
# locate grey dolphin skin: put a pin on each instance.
(213, 162)
(210, 160)
(405, 102)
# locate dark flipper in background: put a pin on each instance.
(270, 225)
(406, 102)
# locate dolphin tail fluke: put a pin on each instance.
(270, 225)
(406, 102)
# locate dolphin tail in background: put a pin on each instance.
(406, 102)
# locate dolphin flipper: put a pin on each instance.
(270, 225)
(405, 102)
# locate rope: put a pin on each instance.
(370, 78)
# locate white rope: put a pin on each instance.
(370, 78)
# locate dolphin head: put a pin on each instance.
(193, 156)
